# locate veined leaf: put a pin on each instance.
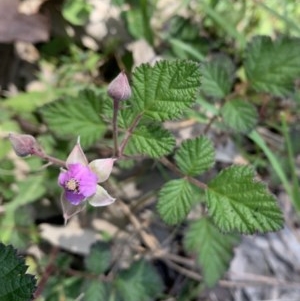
(15, 284)
(176, 199)
(272, 66)
(217, 77)
(76, 116)
(214, 250)
(140, 282)
(195, 156)
(151, 140)
(98, 259)
(95, 290)
(239, 115)
(163, 91)
(29, 190)
(238, 202)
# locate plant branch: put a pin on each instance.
(115, 127)
(129, 133)
(176, 170)
(50, 159)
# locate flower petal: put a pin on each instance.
(102, 168)
(77, 155)
(101, 198)
(70, 210)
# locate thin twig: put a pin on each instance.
(149, 240)
(48, 158)
(176, 170)
(47, 273)
(129, 133)
(115, 127)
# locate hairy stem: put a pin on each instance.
(115, 128)
(50, 159)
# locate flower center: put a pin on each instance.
(72, 185)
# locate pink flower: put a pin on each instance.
(80, 182)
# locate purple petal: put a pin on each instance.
(70, 210)
(74, 198)
(77, 155)
(84, 183)
(102, 168)
(101, 198)
(63, 177)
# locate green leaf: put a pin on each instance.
(238, 202)
(94, 290)
(76, 116)
(217, 77)
(239, 115)
(15, 284)
(140, 282)
(27, 102)
(176, 199)
(98, 259)
(29, 190)
(76, 11)
(151, 140)
(163, 91)
(214, 250)
(272, 66)
(195, 156)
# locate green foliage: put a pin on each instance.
(76, 116)
(272, 66)
(151, 140)
(239, 115)
(139, 283)
(184, 40)
(15, 284)
(217, 77)
(29, 190)
(138, 19)
(95, 290)
(237, 202)
(76, 11)
(98, 259)
(195, 156)
(176, 199)
(163, 91)
(214, 249)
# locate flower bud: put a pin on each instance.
(23, 145)
(119, 89)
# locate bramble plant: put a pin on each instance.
(233, 202)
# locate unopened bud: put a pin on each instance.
(119, 89)
(23, 145)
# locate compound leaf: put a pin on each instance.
(214, 250)
(272, 66)
(140, 282)
(239, 115)
(151, 140)
(238, 202)
(15, 284)
(163, 91)
(195, 156)
(176, 199)
(76, 116)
